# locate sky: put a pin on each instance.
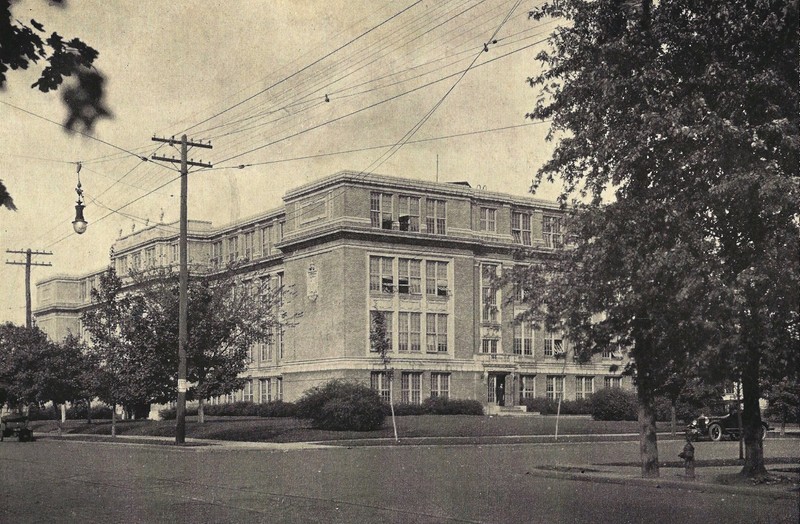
(253, 77)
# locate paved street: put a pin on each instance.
(65, 481)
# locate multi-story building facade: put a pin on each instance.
(354, 245)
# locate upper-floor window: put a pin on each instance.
(584, 387)
(612, 382)
(488, 220)
(381, 277)
(408, 276)
(489, 312)
(233, 248)
(136, 261)
(216, 253)
(266, 240)
(436, 278)
(552, 231)
(408, 329)
(521, 228)
(436, 332)
(380, 210)
(249, 238)
(553, 344)
(435, 213)
(387, 322)
(122, 265)
(523, 338)
(150, 257)
(174, 253)
(408, 213)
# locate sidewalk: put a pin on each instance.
(784, 482)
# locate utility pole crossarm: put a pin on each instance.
(29, 253)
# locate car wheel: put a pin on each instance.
(715, 432)
(763, 432)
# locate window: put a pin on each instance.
(249, 238)
(612, 382)
(247, 393)
(408, 277)
(488, 294)
(527, 387)
(489, 345)
(612, 351)
(122, 266)
(387, 317)
(233, 248)
(551, 231)
(250, 353)
(265, 347)
(555, 387)
(411, 388)
(488, 220)
(266, 240)
(436, 331)
(408, 331)
(408, 213)
(150, 257)
(380, 210)
(521, 228)
(436, 278)
(440, 385)
(381, 278)
(216, 254)
(379, 381)
(264, 390)
(281, 226)
(136, 261)
(279, 341)
(584, 387)
(435, 216)
(174, 253)
(279, 388)
(523, 338)
(553, 344)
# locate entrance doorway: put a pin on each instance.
(497, 388)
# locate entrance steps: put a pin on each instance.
(506, 411)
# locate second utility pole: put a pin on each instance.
(183, 308)
(28, 263)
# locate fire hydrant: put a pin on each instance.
(688, 457)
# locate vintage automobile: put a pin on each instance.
(15, 425)
(720, 427)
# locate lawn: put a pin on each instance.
(458, 428)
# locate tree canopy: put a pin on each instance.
(134, 330)
(676, 129)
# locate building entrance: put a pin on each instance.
(497, 388)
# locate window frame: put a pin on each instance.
(380, 217)
(436, 216)
(440, 385)
(488, 219)
(405, 209)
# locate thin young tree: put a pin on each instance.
(381, 343)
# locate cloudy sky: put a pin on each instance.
(253, 76)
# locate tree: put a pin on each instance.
(134, 327)
(38, 371)
(24, 44)
(380, 342)
(688, 113)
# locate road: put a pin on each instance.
(64, 481)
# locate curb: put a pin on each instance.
(594, 476)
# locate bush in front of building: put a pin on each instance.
(446, 406)
(342, 406)
(277, 408)
(405, 409)
(548, 406)
(77, 412)
(614, 404)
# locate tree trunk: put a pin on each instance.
(751, 421)
(784, 414)
(648, 443)
(201, 411)
(673, 418)
(63, 413)
(114, 420)
(88, 411)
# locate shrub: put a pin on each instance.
(445, 406)
(614, 404)
(342, 406)
(171, 413)
(405, 409)
(277, 408)
(542, 405)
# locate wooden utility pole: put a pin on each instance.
(183, 333)
(28, 263)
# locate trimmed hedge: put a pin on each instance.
(546, 406)
(73, 413)
(277, 408)
(614, 404)
(436, 406)
(342, 406)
